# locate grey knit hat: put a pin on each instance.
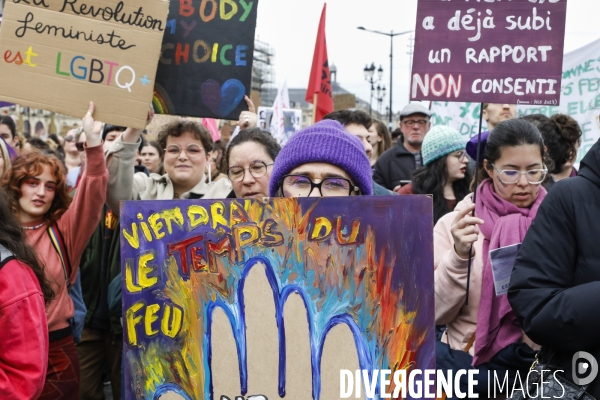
(440, 141)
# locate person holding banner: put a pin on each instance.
(187, 147)
(250, 157)
(484, 334)
(322, 160)
(59, 230)
(24, 291)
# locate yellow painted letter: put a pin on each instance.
(132, 321)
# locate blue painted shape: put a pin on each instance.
(172, 23)
(145, 80)
(237, 319)
(239, 332)
(170, 387)
(222, 100)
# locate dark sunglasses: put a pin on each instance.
(79, 146)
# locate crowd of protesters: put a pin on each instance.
(60, 331)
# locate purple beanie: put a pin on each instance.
(472, 146)
(328, 142)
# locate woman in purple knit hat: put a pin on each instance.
(323, 160)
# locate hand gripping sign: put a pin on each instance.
(261, 299)
(60, 54)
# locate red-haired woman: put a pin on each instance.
(38, 196)
(23, 327)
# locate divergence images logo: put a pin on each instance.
(581, 367)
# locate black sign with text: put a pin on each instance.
(205, 68)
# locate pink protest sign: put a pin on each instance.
(496, 51)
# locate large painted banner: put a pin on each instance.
(580, 98)
(489, 51)
(257, 299)
(59, 55)
(205, 68)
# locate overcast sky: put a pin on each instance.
(291, 28)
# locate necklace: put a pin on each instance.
(31, 228)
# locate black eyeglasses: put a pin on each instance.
(410, 122)
(257, 169)
(80, 146)
(302, 186)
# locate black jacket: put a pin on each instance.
(555, 284)
(394, 165)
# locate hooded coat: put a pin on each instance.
(555, 284)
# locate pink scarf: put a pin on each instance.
(505, 225)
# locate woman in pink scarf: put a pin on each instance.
(484, 334)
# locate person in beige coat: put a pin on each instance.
(484, 334)
(187, 149)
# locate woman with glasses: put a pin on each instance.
(484, 334)
(323, 160)
(444, 174)
(187, 146)
(250, 158)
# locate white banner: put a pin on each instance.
(580, 98)
(292, 121)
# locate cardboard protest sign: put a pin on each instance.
(493, 51)
(59, 55)
(255, 299)
(344, 101)
(580, 98)
(205, 68)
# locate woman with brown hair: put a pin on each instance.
(24, 292)
(380, 139)
(59, 230)
(187, 148)
(562, 137)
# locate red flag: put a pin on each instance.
(320, 76)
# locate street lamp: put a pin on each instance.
(369, 77)
(391, 35)
(380, 97)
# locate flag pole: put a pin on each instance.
(315, 100)
(477, 160)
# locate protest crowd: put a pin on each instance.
(60, 202)
(510, 192)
